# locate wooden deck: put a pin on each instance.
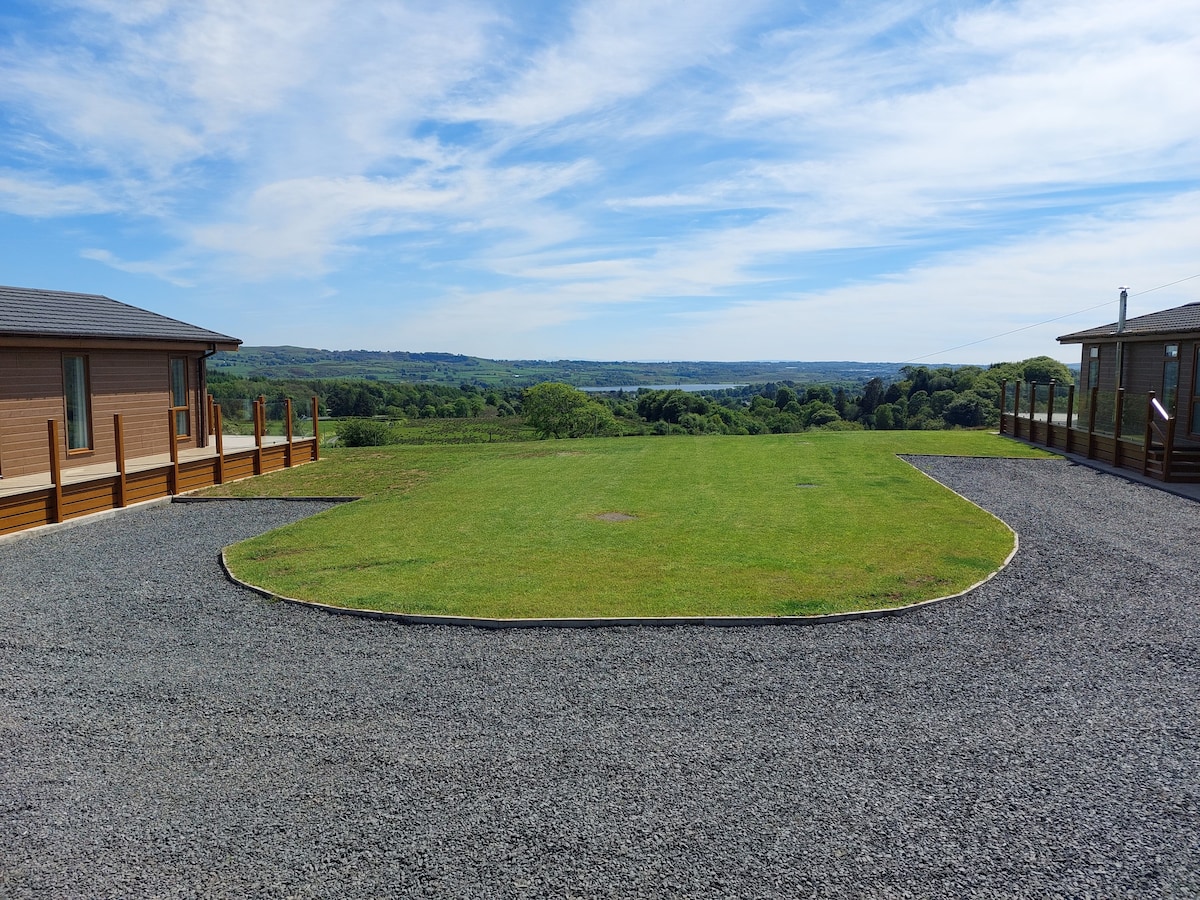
(1152, 452)
(34, 500)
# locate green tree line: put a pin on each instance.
(922, 398)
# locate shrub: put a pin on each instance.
(366, 433)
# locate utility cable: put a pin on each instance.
(1044, 322)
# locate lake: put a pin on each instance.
(633, 389)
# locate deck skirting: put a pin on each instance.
(40, 505)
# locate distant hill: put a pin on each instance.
(451, 368)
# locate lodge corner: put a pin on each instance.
(1137, 406)
(104, 405)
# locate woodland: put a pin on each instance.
(920, 398)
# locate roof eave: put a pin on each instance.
(216, 342)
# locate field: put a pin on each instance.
(766, 525)
(450, 368)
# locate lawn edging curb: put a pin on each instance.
(603, 621)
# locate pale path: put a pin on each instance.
(165, 734)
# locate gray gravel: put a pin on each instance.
(166, 734)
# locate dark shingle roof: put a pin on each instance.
(1167, 321)
(27, 312)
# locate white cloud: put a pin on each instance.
(22, 195)
(617, 49)
(294, 227)
(698, 163)
(162, 270)
(958, 299)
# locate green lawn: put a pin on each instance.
(766, 525)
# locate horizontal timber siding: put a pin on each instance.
(134, 383)
(31, 392)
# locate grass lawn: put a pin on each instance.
(766, 525)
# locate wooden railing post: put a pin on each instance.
(1050, 413)
(1070, 442)
(173, 488)
(209, 417)
(287, 453)
(1168, 448)
(55, 469)
(1148, 437)
(1032, 404)
(259, 419)
(1118, 417)
(316, 453)
(1017, 409)
(1091, 451)
(119, 451)
(219, 434)
(1003, 402)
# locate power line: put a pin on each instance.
(1161, 286)
(1044, 322)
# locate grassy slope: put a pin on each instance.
(723, 526)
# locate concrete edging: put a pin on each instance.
(612, 622)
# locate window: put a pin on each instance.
(79, 401)
(1093, 376)
(1170, 389)
(179, 396)
(1195, 429)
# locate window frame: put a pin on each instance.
(1170, 379)
(181, 415)
(72, 382)
(1194, 418)
(1093, 373)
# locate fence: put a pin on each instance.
(61, 494)
(1126, 430)
(239, 414)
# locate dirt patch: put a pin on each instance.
(615, 517)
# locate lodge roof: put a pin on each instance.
(1167, 321)
(29, 312)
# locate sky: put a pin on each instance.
(892, 181)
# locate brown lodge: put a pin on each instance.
(103, 404)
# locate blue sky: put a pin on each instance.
(632, 179)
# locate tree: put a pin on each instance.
(559, 410)
(818, 414)
(970, 410)
(840, 402)
(1043, 369)
(940, 400)
(820, 393)
(553, 408)
(872, 396)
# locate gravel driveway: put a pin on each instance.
(166, 734)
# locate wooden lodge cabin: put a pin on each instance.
(103, 404)
(1138, 402)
